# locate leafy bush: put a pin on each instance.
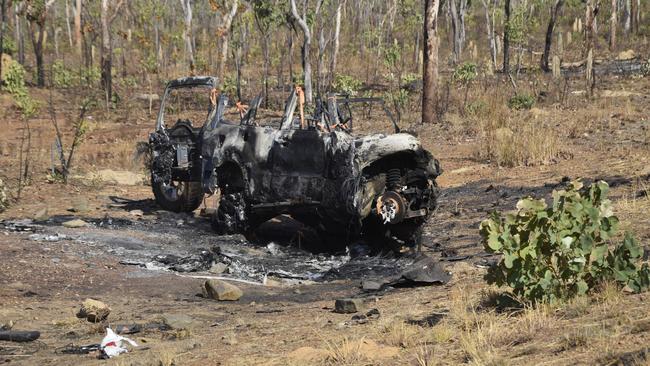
(346, 84)
(15, 85)
(8, 46)
(91, 75)
(465, 73)
(62, 77)
(521, 101)
(558, 252)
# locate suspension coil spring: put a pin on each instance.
(393, 178)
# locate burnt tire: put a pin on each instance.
(178, 197)
(231, 216)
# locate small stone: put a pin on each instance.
(218, 268)
(42, 215)
(137, 213)
(221, 290)
(73, 224)
(229, 340)
(348, 306)
(93, 310)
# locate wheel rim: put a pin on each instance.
(172, 191)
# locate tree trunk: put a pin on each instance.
(612, 27)
(77, 26)
(20, 39)
(555, 12)
(336, 45)
(37, 43)
(2, 36)
(106, 54)
(187, 32)
(490, 34)
(591, 10)
(636, 15)
(627, 25)
(226, 23)
(430, 67)
(306, 45)
(67, 22)
(506, 40)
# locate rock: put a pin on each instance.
(79, 205)
(137, 213)
(42, 215)
(73, 224)
(229, 340)
(178, 321)
(93, 310)
(348, 306)
(218, 268)
(221, 290)
(626, 55)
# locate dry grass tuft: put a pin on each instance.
(400, 334)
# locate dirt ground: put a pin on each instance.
(42, 284)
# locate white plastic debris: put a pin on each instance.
(112, 344)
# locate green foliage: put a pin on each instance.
(61, 76)
(346, 84)
(8, 45)
(521, 101)
(398, 98)
(91, 75)
(518, 26)
(476, 108)
(15, 85)
(410, 78)
(465, 73)
(558, 252)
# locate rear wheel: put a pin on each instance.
(177, 196)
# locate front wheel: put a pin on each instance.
(177, 196)
(232, 216)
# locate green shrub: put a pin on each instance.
(8, 46)
(61, 76)
(521, 101)
(465, 73)
(558, 252)
(15, 85)
(346, 84)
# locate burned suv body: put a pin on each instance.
(380, 187)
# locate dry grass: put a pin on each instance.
(346, 352)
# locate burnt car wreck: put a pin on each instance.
(378, 187)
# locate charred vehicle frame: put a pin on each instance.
(377, 187)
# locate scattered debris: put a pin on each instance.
(19, 225)
(19, 335)
(74, 224)
(136, 213)
(71, 349)
(48, 238)
(347, 306)
(112, 344)
(424, 271)
(192, 263)
(137, 328)
(358, 319)
(221, 290)
(7, 326)
(93, 310)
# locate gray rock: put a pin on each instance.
(136, 213)
(218, 268)
(93, 310)
(73, 224)
(221, 290)
(178, 321)
(79, 205)
(42, 215)
(348, 306)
